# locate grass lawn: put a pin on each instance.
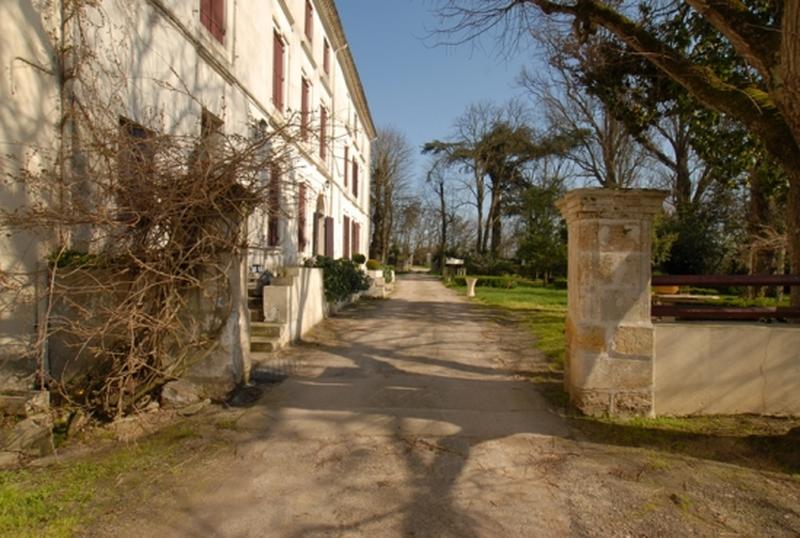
(61, 499)
(763, 442)
(542, 310)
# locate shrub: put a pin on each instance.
(373, 265)
(387, 273)
(341, 278)
(559, 284)
(359, 258)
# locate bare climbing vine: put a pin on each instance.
(144, 226)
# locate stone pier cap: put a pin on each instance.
(610, 203)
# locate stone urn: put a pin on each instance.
(471, 282)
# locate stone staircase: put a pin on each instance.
(266, 337)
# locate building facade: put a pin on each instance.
(239, 62)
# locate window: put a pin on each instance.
(274, 207)
(309, 28)
(305, 99)
(323, 133)
(346, 164)
(135, 162)
(301, 217)
(346, 237)
(277, 71)
(212, 16)
(326, 56)
(355, 177)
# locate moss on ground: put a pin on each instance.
(59, 500)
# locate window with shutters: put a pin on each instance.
(274, 207)
(212, 16)
(346, 165)
(301, 217)
(326, 56)
(346, 238)
(305, 101)
(309, 25)
(323, 133)
(278, 52)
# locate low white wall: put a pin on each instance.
(727, 368)
(300, 305)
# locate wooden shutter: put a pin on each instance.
(218, 19)
(323, 130)
(274, 200)
(205, 13)
(309, 26)
(315, 238)
(355, 177)
(277, 72)
(346, 237)
(301, 217)
(356, 238)
(329, 236)
(346, 164)
(304, 102)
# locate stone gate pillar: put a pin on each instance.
(609, 358)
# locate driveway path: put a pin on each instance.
(412, 417)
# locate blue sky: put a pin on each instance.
(413, 85)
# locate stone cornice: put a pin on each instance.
(330, 16)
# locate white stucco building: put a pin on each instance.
(240, 62)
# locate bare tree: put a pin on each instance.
(392, 161)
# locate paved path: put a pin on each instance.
(412, 417)
(406, 419)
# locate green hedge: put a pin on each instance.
(341, 278)
(506, 282)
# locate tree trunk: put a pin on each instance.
(793, 231)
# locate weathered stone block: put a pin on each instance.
(33, 436)
(620, 237)
(635, 341)
(592, 402)
(632, 403)
(599, 371)
(179, 393)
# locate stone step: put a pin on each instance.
(262, 328)
(264, 343)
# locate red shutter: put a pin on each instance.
(218, 19)
(205, 13)
(346, 237)
(329, 236)
(323, 131)
(356, 239)
(277, 72)
(309, 21)
(301, 217)
(346, 164)
(274, 201)
(326, 56)
(355, 177)
(304, 99)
